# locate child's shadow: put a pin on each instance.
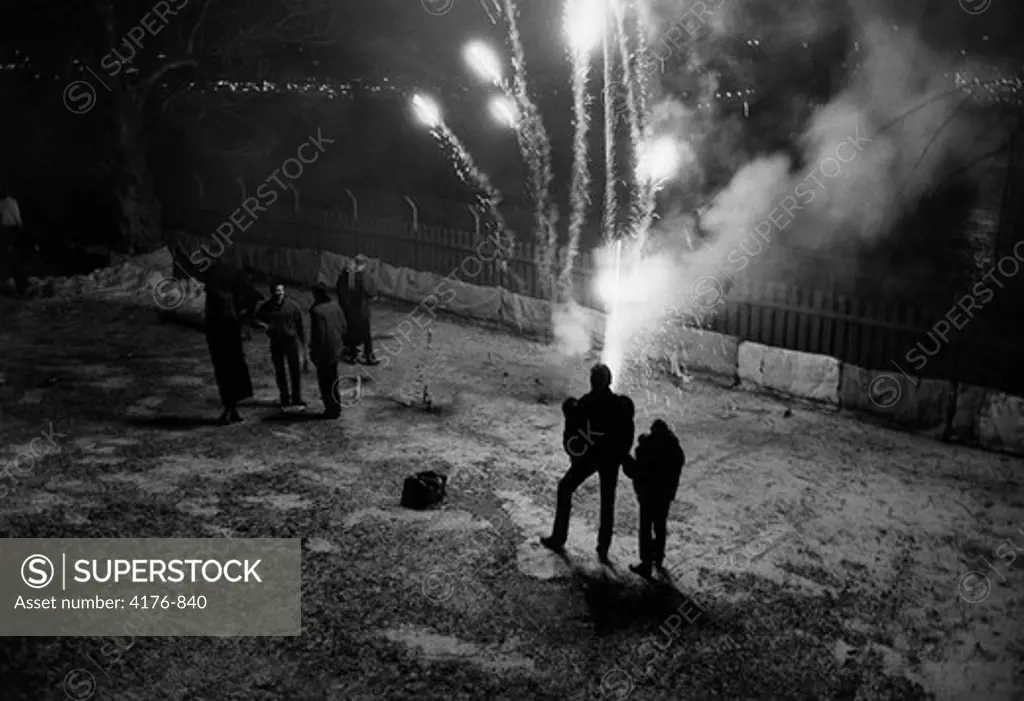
(619, 602)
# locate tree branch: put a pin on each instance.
(197, 28)
(146, 86)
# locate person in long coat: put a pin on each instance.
(229, 305)
(355, 288)
(326, 330)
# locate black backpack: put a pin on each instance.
(424, 489)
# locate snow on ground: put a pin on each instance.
(839, 545)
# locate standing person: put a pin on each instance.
(655, 473)
(281, 318)
(355, 289)
(598, 436)
(227, 309)
(326, 334)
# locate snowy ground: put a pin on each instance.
(838, 545)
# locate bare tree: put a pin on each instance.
(207, 39)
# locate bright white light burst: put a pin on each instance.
(427, 111)
(503, 111)
(584, 23)
(658, 160)
(483, 61)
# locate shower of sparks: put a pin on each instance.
(538, 148)
(492, 9)
(429, 114)
(579, 194)
(628, 80)
(642, 202)
(470, 172)
(627, 281)
(614, 350)
(483, 61)
(609, 222)
(645, 190)
(641, 77)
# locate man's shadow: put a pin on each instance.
(618, 601)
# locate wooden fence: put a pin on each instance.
(874, 333)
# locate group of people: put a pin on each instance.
(599, 429)
(598, 437)
(337, 330)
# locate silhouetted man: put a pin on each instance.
(355, 289)
(281, 318)
(598, 436)
(326, 334)
(655, 473)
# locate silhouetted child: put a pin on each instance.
(655, 473)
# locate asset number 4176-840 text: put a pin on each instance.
(164, 602)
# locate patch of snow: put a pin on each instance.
(443, 648)
(206, 506)
(281, 502)
(319, 545)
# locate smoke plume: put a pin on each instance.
(863, 161)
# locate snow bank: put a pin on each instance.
(805, 375)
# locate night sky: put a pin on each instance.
(401, 40)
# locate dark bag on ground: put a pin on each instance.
(423, 490)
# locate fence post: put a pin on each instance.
(355, 204)
(476, 220)
(415, 213)
(476, 234)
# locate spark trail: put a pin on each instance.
(632, 108)
(642, 206)
(610, 219)
(538, 145)
(470, 173)
(579, 195)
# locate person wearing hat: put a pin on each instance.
(598, 436)
(355, 289)
(326, 333)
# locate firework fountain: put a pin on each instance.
(895, 114)
(588, 24)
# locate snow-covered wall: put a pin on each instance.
(975, 415)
